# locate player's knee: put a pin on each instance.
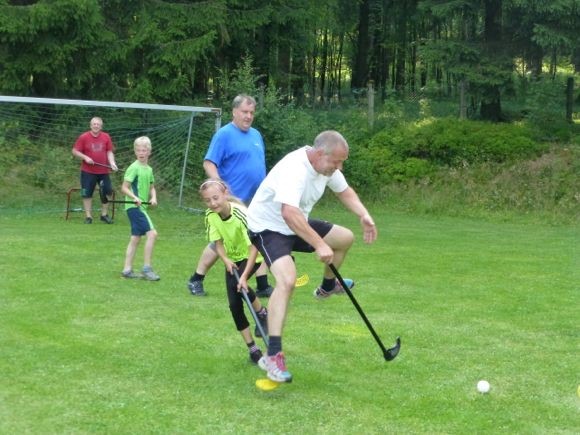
(340, 238)
(349, 239)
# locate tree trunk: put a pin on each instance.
(569, 99)
(360, 70)
(298, 75)
(462, 100)
(491, 99)
(535, 59)
(491, 107)
(576, 59)
(401, 37)
(324, 64)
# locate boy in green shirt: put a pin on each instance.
(138, 188)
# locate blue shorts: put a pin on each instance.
(273, 245)
(140, 222)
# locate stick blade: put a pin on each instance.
(302, 280)
(390, 354)
(102, 193)
(265, 384)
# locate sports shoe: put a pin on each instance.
(196, 288)
(263, 318)
(106, 219)
(89, 220)
(256, 356)
(262, 363)
(276, 368)
(265, 293)
(149, 275)
(131, 275)
(320, 293)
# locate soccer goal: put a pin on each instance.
(48, 128)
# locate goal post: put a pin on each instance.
(179, 134)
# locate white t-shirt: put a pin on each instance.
(292, 181)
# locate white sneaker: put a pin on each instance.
(149, 275)
(262, 363)
(276, 368)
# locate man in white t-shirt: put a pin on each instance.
(279, 223)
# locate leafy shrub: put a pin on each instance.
(450, 141)
(283, 127)
(546, 186)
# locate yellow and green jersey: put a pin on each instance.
(232, 231)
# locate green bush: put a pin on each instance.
(546, 186)
(449, 141)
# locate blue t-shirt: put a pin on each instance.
(240, 159)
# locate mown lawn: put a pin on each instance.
(83, 351)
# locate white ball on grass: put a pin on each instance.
(483, 387)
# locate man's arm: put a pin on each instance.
(210, 169)
(82, 156)
(351, 201)
(111, 160)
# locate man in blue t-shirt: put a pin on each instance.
(237, 156)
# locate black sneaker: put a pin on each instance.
(89, 220)
(263, 318)
(265, 293)
(196, 288)
(320, 293)
(255, 356)
(106, 219)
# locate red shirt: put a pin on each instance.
(96, 148)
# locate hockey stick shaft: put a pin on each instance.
(252, 311)
(389, 354)
(125, 202)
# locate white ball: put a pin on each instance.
(483, 387)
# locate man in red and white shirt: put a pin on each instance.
(96, 150)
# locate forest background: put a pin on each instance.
(393, 76)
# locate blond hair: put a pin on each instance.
(142, 141)
(223, 187)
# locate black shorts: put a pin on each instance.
(89, 181)
(273, 245)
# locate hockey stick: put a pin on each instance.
(252, 311)
(389, 354)
(102, 164)
(106, 200)
(263, 384)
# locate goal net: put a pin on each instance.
(37, 135)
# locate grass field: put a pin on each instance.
(83, 351)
